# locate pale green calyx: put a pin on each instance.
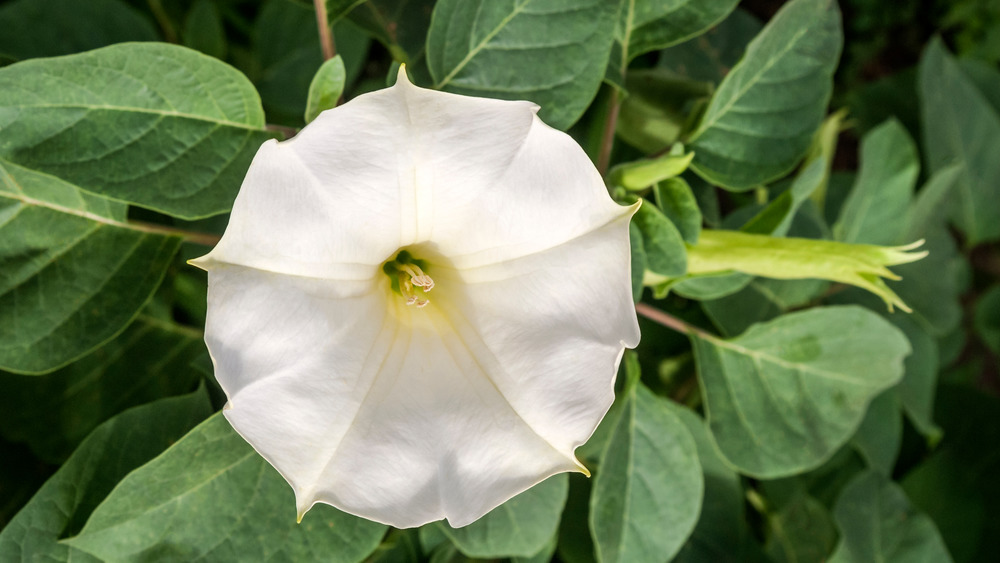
(861, 265)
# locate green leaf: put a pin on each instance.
(916, 390)
(877, 523)
(961, 127)
(522, 526)
(55, 412)
(575, 544)
(73, 274)
(638, 264)
(721, 534)
(876, 210)
(675, 198)
(648, 490)
(61, 27)
(801, 530)
(538, 50)
(664, 247)
(157, 125)
(712, 55)
(929, 210)
(776, 218)
(931, 285)
(880, 435)
(115, 448)
(326, 88)
(170, 509)
(761, 300)
(203, 29)
(762, 119)
(783, 396)
(709, 286)
(649, 25)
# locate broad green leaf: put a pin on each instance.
(110, 452)
(880, 435)
(801, 531)
(157, 125)
(961, 127)
(203, 29)
(916, 390)
(664, 247)
(62, 27)
(761, 300)
(877, 523)
(648, 25)
(876, 210)
(783, 396)
(648, 490)
(55, 412)
(326, 88)
(675, 198)
(522, 526)
(776, 218)
(761, 120)
(543, 556)
(721, 534)
(638, 264)
(170, 509)
(929, 209)
(538, 50)
(710, 56)
(73, 274)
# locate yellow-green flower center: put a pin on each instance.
(406, 274)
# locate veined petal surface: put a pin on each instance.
(407, 415)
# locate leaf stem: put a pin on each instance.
(670, 321)
(608, 136)
(325, 35)
(206, 239)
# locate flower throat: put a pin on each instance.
(406, 273)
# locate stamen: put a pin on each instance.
(406, 288)
(417, 276)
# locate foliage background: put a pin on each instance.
(900, 470)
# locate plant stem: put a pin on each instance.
(325, 35)
(163, 20)
(670, 321)
(608, 136)
(206, 239)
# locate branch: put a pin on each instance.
(325, 35)
(206, 239)
(608, 136)
(670, 321)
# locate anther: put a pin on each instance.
(417, 276)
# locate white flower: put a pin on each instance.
(419, 305)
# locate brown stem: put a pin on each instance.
(207, 239)
(669, 321)
(608, 136)
(163, 20)
(325, 35)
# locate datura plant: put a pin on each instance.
(419, 305)
(364, 281)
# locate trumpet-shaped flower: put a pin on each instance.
(419, 305)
